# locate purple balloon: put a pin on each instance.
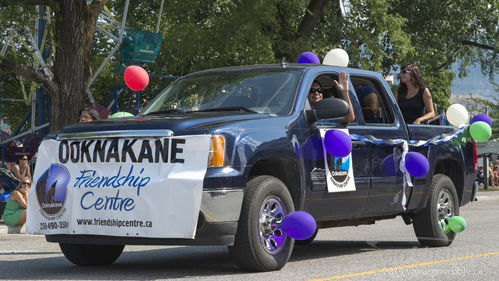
(312, 148)
(482, 117)
(299, 225)
(337, 143)
(308, 57)
(388, 166)
(416, 164)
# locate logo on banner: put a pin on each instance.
(51, 190)
(339, 169)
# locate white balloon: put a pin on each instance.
(336, 57)
(457, 115)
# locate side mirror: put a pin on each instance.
(328, 109)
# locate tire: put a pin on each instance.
(308, 240)
(443, 204)
(259, 244)
(82, 254)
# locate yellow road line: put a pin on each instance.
(403, 267)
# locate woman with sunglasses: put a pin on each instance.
(15, 209)
(413, 96)
(22, 169)
(316, 94)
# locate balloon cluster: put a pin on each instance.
(480, 128)
(335, 57)
(416, 165)
(480, 125)
(455, 224)
(298, 225)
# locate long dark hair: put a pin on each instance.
(416, 78)
(18, 161)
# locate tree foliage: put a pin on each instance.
(72, 34)
(379, 35)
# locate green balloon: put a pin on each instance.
(457, 224)
(480, 131)
(121, 114)
(447, 228)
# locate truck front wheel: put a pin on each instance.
(259, 244)
(443, 204)
(82, 254)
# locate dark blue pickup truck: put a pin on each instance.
(266, 160)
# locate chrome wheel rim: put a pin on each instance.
(271, 214)
(445, 208)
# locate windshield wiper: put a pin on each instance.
(230, 108)
(174, 110)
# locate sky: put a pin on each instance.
(476, 83)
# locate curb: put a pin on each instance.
(487, 195)
(3, 228)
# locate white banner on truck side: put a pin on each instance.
(119, 187)
(339, 171)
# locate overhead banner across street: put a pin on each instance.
(120, 187)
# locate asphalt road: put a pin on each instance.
(385, 251)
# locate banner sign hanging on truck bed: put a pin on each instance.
(120, 187)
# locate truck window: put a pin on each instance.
(372, 99)
(261, 91)
(329, 89)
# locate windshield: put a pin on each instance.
(260, 91)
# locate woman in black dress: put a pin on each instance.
(413, 96)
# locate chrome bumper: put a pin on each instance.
(222, 205)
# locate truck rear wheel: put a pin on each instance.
(82, 254)
(443, 204)
(259, 244)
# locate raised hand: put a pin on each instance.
(342, 85)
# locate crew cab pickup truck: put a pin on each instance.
(261, 157)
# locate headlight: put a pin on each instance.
(217, 151)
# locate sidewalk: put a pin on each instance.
(488, 195)
(482, 196)
(4, 230)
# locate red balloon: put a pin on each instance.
(136, 78)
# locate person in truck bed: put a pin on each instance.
(413, 96)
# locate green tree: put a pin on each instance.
(73, 32)
(379, 35)
(13, 106)
(447, 32)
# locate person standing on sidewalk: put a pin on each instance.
(15, 210)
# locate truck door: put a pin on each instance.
(377, 121)
(336, 203)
